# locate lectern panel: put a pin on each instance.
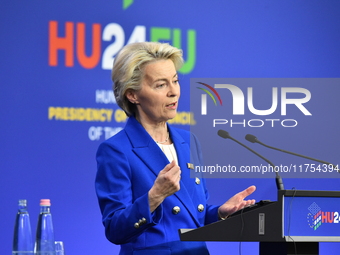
(311, 217)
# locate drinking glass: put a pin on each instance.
(59, 248)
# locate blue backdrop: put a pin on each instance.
(56, 107)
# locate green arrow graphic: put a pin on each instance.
(127, 3)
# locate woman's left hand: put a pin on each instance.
(236, 202)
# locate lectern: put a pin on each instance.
(294, 224)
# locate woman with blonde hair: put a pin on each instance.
(143, 181)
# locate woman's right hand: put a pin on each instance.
(166, 184)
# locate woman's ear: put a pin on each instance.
(131, 96)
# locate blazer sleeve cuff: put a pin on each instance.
(145, 218)
(212, 214)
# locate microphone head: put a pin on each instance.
(251, 138)
(224, 134)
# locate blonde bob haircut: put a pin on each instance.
(127, 70)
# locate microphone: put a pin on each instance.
(253, 139)
(279, 183)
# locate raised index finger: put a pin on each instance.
(248, 191)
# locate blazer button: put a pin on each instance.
(197, 180)
(136, 225)
(200, 207)
(142, 221)
(176, 210)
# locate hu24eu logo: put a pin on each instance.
(316, 217)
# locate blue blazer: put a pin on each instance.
(128, 164)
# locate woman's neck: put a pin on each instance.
(157, 130)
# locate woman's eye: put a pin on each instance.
(159, 86)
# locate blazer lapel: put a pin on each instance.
(186, 193)
(153, 157)
(144, 146)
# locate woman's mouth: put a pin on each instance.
(172, 105)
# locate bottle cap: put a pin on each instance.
(22, 202)
(45, 202)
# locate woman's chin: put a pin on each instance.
(172, 115)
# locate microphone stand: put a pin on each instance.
(279, 183)
(253, 139)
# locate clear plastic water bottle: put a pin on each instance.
(22, 239)
(44, 242)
